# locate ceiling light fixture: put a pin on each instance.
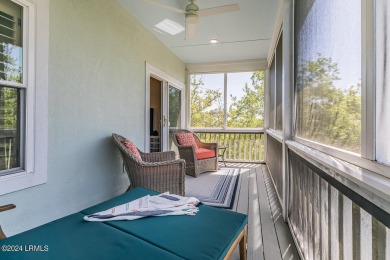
(170, 27)
(214, 41)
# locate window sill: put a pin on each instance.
(20, 180)
(229, 130)
(347, 156)
(275, 134)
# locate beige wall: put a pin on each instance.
(97, 55)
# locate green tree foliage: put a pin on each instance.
(248, 111)
(11, 71)
(174, 107)
(206, 105)
(9, 108)
(10, 68)
(326, 113)
(174, 114)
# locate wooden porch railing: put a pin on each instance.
(243, 145)
(330, 215)
(331, 221)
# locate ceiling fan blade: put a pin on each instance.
(170, 8)
(190, 31)
(219, 10)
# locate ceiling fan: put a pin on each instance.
(192, 13)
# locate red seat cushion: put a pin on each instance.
(202, 153)
(132, 148)
(186, 139)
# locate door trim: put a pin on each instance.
(156, 73)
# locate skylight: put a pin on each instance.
(170, 27)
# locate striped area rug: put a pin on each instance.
(215, 189)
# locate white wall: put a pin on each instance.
(97, 55)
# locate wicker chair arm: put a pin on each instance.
(211, 146)
(190, 147)
(158, 157)
(200, 144)
(158, 164)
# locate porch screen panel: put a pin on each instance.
(272, 102)
(279, 85)
(382, 81)
(274, 163)
(328, 72)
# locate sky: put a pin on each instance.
(332, 28)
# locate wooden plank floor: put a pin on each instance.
(269, 237)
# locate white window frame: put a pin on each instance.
(222, 68)
(271, 91)
(367, 159)
(35, 73)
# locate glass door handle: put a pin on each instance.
(164, 121)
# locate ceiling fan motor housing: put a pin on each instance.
(192, 13)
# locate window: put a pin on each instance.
(12, 87)
(328, 72)
(279, 84)
(227, 100)
(207, 100)
(23, 142)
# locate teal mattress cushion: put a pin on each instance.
(208, 235)
(73, 238)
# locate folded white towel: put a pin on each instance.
(164, 204)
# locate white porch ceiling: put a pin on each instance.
(244, 34)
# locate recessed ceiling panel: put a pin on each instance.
(200, 53)
(246, 50)
(250, 28)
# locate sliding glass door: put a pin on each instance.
(172, 116)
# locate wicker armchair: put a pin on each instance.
(194, 167)
(156, 171)
(4, 208)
